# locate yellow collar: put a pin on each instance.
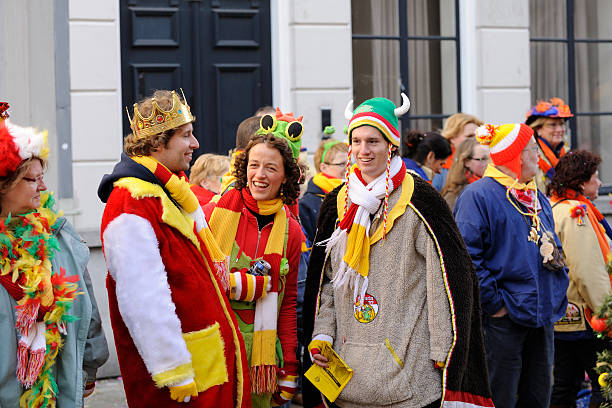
(505, 180)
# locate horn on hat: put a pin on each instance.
(404, 108)
(348, 111)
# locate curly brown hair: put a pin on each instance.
(573, 169)
(135, 146)
(290, 189)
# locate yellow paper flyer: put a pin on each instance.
(331, 380)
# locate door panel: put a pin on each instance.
(218, 51)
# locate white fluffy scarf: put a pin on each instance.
(367, 199)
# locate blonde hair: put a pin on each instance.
(134, 146)
(539, 122)
(338, 147)
(456, 179)
(455, 124)
(208, 166)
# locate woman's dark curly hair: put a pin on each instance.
(573, 169)
(290, 189)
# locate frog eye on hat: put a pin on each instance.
(294, 131)
(268, 123)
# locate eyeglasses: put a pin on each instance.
(480, 159)
(532, 148)
(37, 180)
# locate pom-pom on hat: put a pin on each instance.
(555, 108)
(506, 143)
(379, 113)
(18, 144)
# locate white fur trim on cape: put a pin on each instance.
(143, 294)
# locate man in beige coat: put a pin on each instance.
(385, 282)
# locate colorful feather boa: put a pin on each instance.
(27, 246)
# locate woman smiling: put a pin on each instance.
(263, 276)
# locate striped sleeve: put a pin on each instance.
(247, 287)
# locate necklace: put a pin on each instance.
(545, 241)
(534, 235)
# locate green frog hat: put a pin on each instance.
(286, 126)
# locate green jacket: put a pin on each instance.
(85, 347)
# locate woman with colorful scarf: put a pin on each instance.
(471, 159)
(585, 236)
(51, 339)
(330, 161)
(547, 119)
(263, 270)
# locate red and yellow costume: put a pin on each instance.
(170, 315)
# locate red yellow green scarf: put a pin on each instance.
(27, 246)
(224, 222)
(325, 182)
(181, 192)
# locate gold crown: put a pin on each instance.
(160, 120)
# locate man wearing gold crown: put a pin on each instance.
(176, 336)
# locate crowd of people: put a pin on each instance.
(448, 267)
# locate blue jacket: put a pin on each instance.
(416, 167)
(509, 267)
(309, 209)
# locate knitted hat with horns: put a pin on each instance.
(380, 113)
(506, 143)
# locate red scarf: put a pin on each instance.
(449, 161)
(470, 177)
(526, 197)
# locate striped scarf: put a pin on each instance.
(224, 222)
(179, 189)
(353, 231)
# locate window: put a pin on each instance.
(571, 55)
(410, 46)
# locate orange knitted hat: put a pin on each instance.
(506, 143)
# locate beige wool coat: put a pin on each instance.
(589, 281)
(393, 356)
